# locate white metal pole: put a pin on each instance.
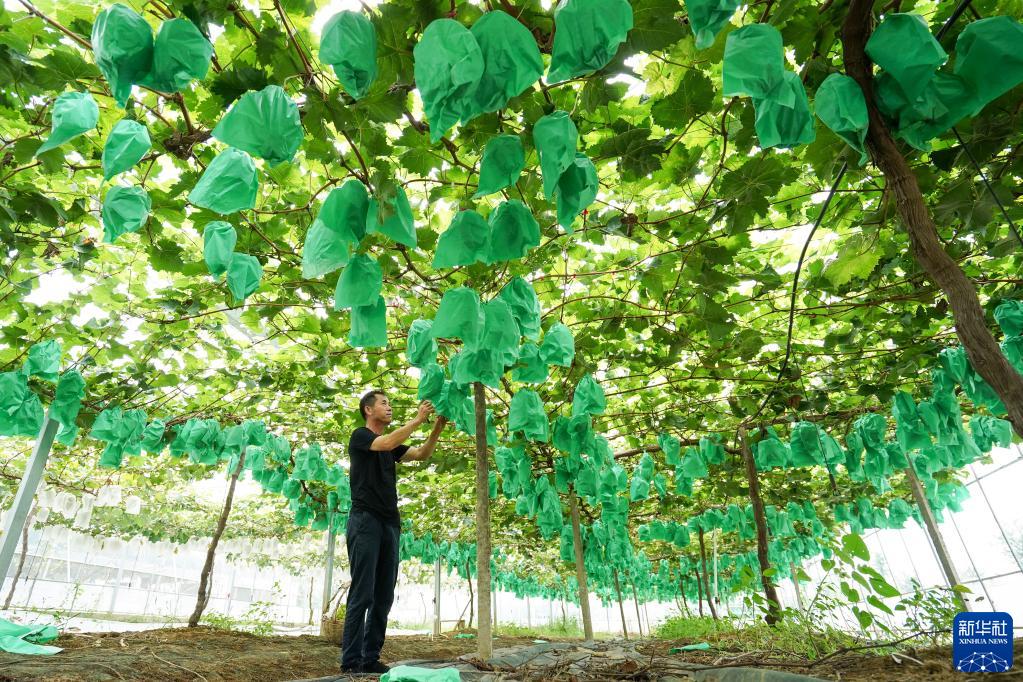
(328, 577)
(26, 493)
(437, 567)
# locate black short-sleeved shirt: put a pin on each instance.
(373, 478)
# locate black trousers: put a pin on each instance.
(373, 556)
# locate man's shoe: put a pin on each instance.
(375, 668)
(351, 669)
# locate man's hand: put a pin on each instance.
(425, 410)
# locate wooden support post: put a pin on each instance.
(635, 600)
(934, 533)
(773, 603)
(699, 590)
(621, 606)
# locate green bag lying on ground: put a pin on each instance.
(29, 639)
(511, 61)
(125, 209)
(369, 325)
(587, 35)
(842, 108)
(460, 316)
(448, 68)
(243, 275)
(390, 214)
(783, 117)
(525, 306)
(265, 124)
(74, 113)
(530, 367)
(181, 54)
(555, 137)
(218, 239)
(67, 401)
(349, 44)
(707, 17)
(753, 64)
(558, 347)
(228, 184)
(466, 241)
(408, 673)
(576, 190)
(43, 360)
(122, 45)
(359, 284)
(526, 415)
(502, 163)
(126, 144)
(421, 349)
(588, 397)
(989, 59)
(513, 232)
(904, 47)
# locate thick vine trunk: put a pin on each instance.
(21, 561)
(206, 577)
(484, 632)
(706, 581)
(580, 566)
(773, 603)
(981, 348)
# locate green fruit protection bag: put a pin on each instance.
(587, 36)
(229, 184)
(126, 144)
(349, 44)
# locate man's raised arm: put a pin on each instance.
(421, 452)
(389, 441)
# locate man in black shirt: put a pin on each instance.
(374, 526)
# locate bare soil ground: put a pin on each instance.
(187, 655)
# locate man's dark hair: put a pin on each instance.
(368, 400)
